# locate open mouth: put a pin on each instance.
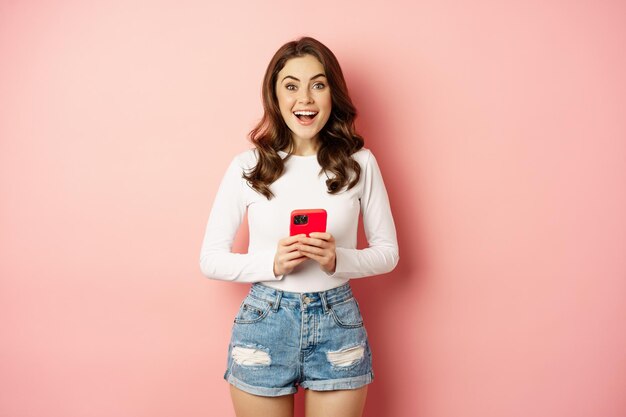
(305, 116)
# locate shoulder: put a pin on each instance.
(246, 159)
(363, 156)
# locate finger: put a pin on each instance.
(295, 262)
(314, 242)
(316, 258)
(290, 239)
(291, 255)
(321, 235)
(288, 249)
(311, 249)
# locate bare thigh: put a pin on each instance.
(344, 403)
(248, 405)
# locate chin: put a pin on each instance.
(307, 136)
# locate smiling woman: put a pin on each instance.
(300, 325)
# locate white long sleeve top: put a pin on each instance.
(300, 187)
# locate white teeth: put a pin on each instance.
(304, 113)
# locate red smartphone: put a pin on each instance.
(307, 221)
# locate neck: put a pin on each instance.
(305, 147)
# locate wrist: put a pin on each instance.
(331, 267)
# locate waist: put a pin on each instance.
(323, 299)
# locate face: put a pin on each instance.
(304, 97)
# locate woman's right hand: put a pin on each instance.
(287, 256)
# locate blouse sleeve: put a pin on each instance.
(381, 255)
(216, 259)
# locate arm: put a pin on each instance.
(381, 255)
(216, 259)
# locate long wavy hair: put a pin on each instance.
(338, 139)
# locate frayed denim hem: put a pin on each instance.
(338, 384)
(262, 391)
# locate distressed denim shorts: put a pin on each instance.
(282, 340)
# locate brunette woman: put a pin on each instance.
(300, 324)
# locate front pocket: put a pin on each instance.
(347, 314)
(252, 310)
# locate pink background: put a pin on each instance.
(499, 127)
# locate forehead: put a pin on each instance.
(302, 67)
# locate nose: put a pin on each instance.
(305, 96)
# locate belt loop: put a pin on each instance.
(324, 302)
(279, 296)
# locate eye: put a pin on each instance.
(319, 86)
(290, 87)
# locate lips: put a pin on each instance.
(305, 117)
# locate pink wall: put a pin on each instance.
(499, 127)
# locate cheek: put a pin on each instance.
(327, 103)
(284, 103)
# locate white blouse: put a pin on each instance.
(300, 187)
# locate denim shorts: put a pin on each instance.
(282, 340)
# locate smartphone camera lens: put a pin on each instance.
(300, 219)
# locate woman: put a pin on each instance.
(300, 324)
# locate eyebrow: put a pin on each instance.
(312, 78)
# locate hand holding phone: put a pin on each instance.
(320, 248)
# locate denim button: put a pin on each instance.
(306, 300)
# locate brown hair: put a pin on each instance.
(338, 138)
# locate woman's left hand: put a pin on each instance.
(321, 248)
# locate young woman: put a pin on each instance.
(300, 324)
